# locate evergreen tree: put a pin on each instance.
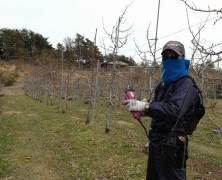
(21, 44)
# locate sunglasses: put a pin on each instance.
(165, 56)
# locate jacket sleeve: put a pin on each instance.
(181, 100)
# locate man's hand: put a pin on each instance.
(135, 105)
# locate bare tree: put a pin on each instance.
(52, 69)
(205, 56)
(93, 86)
(151, 63)
(118, 38)
(61, 84)
(210, 50)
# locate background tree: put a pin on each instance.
(22, 44)
(205, 57)
(118, 38)
(69, 49)
(86, 50)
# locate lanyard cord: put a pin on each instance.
(181, 111)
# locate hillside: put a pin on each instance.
(7, 69)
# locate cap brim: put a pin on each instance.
(176, 51)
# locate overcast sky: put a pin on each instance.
(57, 19)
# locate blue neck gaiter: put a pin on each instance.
(173, 69)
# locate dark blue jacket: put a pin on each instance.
(169, 101)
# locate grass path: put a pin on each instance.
(29, 155)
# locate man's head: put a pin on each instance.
(174, 64)
(173, 49)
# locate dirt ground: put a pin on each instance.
(14, 90)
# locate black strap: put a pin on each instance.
(194, 85)
(178, 118)
(178, 80)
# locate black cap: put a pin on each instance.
(175, 46)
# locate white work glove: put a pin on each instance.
(135, 105)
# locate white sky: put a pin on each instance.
(57, 19)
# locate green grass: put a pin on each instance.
(61, 144)
(5, 146)
(39, 142)
(205, 146)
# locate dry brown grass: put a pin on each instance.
(6, 67)
(12, 91)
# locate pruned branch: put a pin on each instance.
(118, 38)
(215, 124)
(205, 53)
(194, 8)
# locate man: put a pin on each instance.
(173, 100)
